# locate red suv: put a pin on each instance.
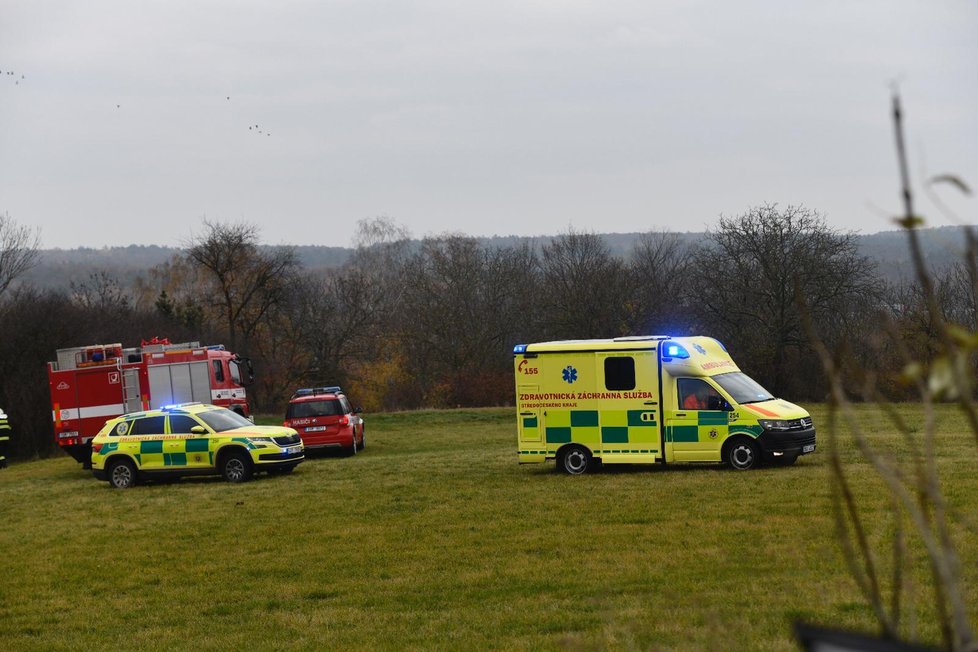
(324, 419)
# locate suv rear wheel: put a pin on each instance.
(122, 474)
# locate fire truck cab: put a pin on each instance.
(90, 384)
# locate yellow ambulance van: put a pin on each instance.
(649, 400)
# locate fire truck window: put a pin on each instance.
(619, 373)
(147, 426)
(180, 424)
(235, 375)
(345, 405)
(218, 371)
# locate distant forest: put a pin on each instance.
(942, 247)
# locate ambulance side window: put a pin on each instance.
(218, 371)
(697, 394)
(619, 373)
(147, 426)
(180, 424)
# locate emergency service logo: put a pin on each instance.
(699, 348)
(570, 374)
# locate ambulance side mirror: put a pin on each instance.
(199, 430)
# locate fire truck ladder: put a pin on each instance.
(130, 390)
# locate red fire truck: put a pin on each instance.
(90, 384)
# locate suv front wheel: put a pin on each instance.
(236, 466)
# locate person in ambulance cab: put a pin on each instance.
(700, 396)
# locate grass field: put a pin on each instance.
(435, 538)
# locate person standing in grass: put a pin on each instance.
(4, 438)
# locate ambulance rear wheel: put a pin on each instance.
(575, 460)
(236, 467)
(122, 474)
(741, 454)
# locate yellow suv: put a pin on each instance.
(191, 439)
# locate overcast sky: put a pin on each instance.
(128, 122)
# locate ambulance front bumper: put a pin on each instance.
(786, 443)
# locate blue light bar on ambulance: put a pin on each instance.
(672, 350)
(519, 348)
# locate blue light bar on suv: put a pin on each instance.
(311, 391)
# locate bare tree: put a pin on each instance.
(747, 278)
(100, 292)
(583, 288)
(244, 281)
(18, 250)
(660, 269)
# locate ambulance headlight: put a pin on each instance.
(774, 424)
(260, 439)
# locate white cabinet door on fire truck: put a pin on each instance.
(182, 382)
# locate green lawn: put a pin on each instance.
(434, 537)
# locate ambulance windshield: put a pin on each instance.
(222, 419)
(742, 388)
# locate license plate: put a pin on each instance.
(315, 428)
(808, 449)
(292, 450)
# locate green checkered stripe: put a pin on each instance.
(151, 452)
(607, 431)
(706, 423)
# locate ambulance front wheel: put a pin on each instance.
(741, 454)
(574, 460)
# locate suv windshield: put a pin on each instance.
(221, 420)
(742, 388)
(329, 407)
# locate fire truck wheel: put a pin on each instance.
(574, 460)
(363, 440)
(122, 474)
(236, 466)
(352, 450)
(741, 454)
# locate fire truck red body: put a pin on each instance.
(90, 384)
